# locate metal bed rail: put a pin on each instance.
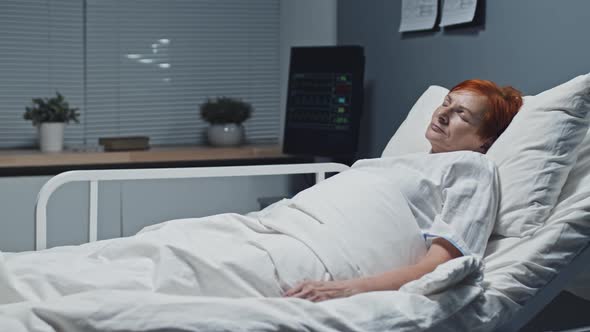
(94, 176)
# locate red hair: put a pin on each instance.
(504, 103)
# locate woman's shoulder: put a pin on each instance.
(469, 156)
(476, 161)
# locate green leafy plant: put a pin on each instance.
(225, 110)
(55, 109)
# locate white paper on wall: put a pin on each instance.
(457, 12)
(418, 15)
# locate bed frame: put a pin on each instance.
(94, 176)
(524, 315)
(546, 294)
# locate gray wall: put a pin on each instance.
(529, 44)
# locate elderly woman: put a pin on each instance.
(445, 189)
(376, 226)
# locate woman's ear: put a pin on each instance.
(486, 145)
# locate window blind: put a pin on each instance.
(139, 67)
(42, 52)
(150, 63)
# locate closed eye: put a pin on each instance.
(462, 115)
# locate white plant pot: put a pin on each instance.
(228, 134)
(51, 136)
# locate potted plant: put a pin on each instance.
(50, 115)
(225, 116)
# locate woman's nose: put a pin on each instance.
(443, 117)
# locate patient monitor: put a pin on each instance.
(324, 101)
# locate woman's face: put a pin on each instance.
(455, 123)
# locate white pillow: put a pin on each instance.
(536, 153)
(409, 137)
(542, 255)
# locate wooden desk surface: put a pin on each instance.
(36, 158)
(35, 162)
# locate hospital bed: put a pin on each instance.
(516, 321)
(517, 277)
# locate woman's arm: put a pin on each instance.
(440, 251)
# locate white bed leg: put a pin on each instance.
(41, 223)
(93, 216)
(320, 176)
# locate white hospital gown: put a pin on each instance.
(382, 213)
(452, 195)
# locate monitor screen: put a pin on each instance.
(324, 101)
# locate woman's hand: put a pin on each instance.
(316, 291)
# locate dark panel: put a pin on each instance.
(324, 101)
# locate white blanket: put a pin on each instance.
(419, 306)
(223, 255)
(165, 277)
(151, 281)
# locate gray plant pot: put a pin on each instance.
(229, 134)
